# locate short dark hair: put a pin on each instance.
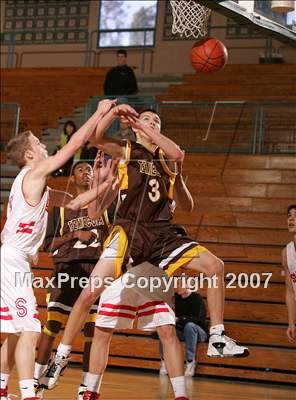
(152, 110)
(291, 207)
(122, 51)
(75, 165)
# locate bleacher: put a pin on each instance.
(46, 94)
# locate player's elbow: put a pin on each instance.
(188, 206)
(178, 155)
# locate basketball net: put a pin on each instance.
(189, 18)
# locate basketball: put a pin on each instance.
(208, 55)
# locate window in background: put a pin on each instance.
(40, 21)
(119, 18)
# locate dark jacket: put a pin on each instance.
(191, 309)
(120, 80)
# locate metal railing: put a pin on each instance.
(221, 126)
(10, 116)
(231, 126)
(138, 102)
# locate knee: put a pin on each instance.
(87, 298)
(52, 328)
(167, 333)
(103, 335)
(216, 268)
(190, 327)
(89, 329)
(29, 337)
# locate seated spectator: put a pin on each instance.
(121, 79)
(68, 130)
(191, 326)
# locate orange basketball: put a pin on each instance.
(208, 55)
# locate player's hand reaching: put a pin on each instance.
(85, 236)
(104, 171)
(105, 105)
(291, 333)
(142, 128)
(98, 163)
(125, 110)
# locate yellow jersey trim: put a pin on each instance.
(122, 167)
(121, 249)
(185, 258)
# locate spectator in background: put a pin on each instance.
(125, 131)
(68, 130)
(121, 79)
(191, 326)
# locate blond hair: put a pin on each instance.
(17, 147)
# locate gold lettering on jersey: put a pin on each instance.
(148, 168)
(84, 222)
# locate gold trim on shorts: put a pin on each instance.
(121, 250)
(190, 254)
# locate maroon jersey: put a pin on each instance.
(147, 183)
(61, 221)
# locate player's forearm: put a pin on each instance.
(291, 306)
(85, 131)
(182, 195)
(104, 124)
(87, 197)
(97, 207)
(170, 148)
(58, 198)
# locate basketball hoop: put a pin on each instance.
(189, 18)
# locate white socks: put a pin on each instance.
(93, 382)
(216, 329)
(179, 388)
(27, 388)
(4, 380)
(83, 379)
(39, 369)
(64, 349)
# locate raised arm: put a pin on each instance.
(115, 148)
(58, 198)
(104, 189)
(290, 301)
(44, 168)
(170, 148)
(182, 196)
(35, 180)
(103, 173)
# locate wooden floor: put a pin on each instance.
(140, 385)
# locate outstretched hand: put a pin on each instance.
(125, 110)
(105, 105)
(104, 172)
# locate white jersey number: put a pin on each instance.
(154, 194)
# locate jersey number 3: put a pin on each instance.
(154, 193)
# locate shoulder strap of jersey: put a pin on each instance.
(122, 167)
(165, 165)
(106, 218)
(62, 218)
